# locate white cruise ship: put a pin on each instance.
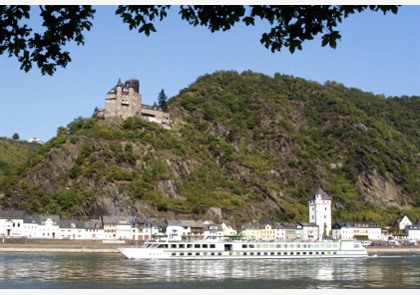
(239, 249)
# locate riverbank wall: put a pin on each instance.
(47, 245)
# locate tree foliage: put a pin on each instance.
(291, 26)
(162, 100)
(61, 25)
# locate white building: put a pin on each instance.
(310, 231)
(11, 223)
(72, 230)
(402, 222)
(94, 230)
(48, 226)
(143, 228)
(175, 230)
(413, 231)
(213, 229)
(41, 226)
(117, 227)
(349, 230)
(35, 140)
(228, 230)
(280, 232)
(320, 212)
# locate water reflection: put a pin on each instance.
(93, 270)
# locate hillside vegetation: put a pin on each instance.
(14, 157)
(241, 146)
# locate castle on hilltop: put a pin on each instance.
(124, 101)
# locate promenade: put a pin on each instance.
(81, 246)
(393, 249)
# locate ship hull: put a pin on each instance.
(245, 250)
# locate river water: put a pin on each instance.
(114, 271)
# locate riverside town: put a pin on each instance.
(19, 225)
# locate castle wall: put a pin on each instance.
(124, 101)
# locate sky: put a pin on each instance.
(377, 53)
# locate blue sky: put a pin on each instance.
(377, 53)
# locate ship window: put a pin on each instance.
(189, 245)
(181, 254)
(197, 253)
(252, 253)
(189, 254)
(291, 253)
(221, 253)
(258, 253)
(322, 253)
(297, 253)
(173, 246)
(245, 253)
(205, 246)
(173, 254)
(278, 246)
(244, 246)
(310, 253)
(181, 246)
(272, 253)
(212, 246)
(251, 246)
(212, 253)
(197, 246)
(304, 253)
(335, 253)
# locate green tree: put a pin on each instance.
(15, 136)
(162, 99)
(291, 25)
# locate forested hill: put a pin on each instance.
(241, 146)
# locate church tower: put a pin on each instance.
(320, 212)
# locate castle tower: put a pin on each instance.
(320, 212)
(123, 100)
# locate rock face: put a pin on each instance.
(380, 190)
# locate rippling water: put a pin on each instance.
(98, 270)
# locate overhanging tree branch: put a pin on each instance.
(290, 25)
